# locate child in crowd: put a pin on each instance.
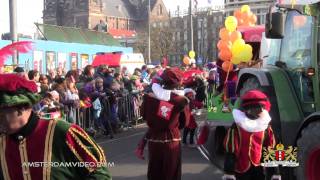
(191, 127)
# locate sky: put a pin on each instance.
(30, 11)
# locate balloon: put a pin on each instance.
(253, 19)
(247, 53)
(231, 23)
(237, 46)
(235, 35)
(224, 34)
(186, 60)
(235, 60)
(227, 66)
(243, 54)
(245, 8)
(225, 55)
(240, 22)
(192, 54)
(237, 14)
(192, 61)
(245, 16)
(224, 45)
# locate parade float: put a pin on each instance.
(290, 78)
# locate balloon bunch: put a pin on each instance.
(245, 17)
(189, 60)
(232, 48)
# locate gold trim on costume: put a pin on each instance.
(78, 156)
(24, 159)
(48, 149)
(4, 165)
(86, 136)
(83, 146)
(165, 141)
(250, 145)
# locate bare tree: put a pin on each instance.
(161, 43)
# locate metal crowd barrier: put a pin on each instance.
(127, 108)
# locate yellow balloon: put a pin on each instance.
(231, 23)
(237, 46)
(245, 8)
(192, 54)
(235, 60)
(247, 53)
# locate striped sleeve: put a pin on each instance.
(84, 148)
(231, 140)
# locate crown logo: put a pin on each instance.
(280, 147)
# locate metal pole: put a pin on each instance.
(149, 38)
(191, 25)
(13, 27)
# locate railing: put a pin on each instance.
(124, 113)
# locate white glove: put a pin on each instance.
(228, 177)
(276, 177)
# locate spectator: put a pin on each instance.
(71, 99)
(51, 76)
(20, 71)
(44, 84)
(88, 72)
(107, 79)
(33, 75)
(118, 79)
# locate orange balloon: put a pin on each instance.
(240, 21)
(235, 35)
(245, 15)
(253, 19)
(227, 66)
(224, 45)
(237, 14)
(186, 60)
(247, 22)
(224, 34)
(225, 55)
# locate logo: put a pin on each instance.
(280, 156)
(165, 109)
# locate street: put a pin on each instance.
(127, 166)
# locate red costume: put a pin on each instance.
(165, 119)
(246, 138)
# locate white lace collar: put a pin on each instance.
(164, 94)
(250, 125)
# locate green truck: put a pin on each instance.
(290, 77)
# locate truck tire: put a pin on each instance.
(309, 152)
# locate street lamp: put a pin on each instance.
(13, 27)
(149, 38)
(191, 25)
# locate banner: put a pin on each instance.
(84, 60)
(62, 60)
(74, 61)
(51, 60)
(37, 61)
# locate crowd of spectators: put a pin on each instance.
(109, 95)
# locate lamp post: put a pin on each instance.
(149, 38)
(13, 27)
(191, 25)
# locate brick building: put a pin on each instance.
(116, 14)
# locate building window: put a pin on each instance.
(160, 24)
(199, 34)
(166, 24)
(185, 35)
(154, 25)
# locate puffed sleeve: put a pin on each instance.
(86, 150)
